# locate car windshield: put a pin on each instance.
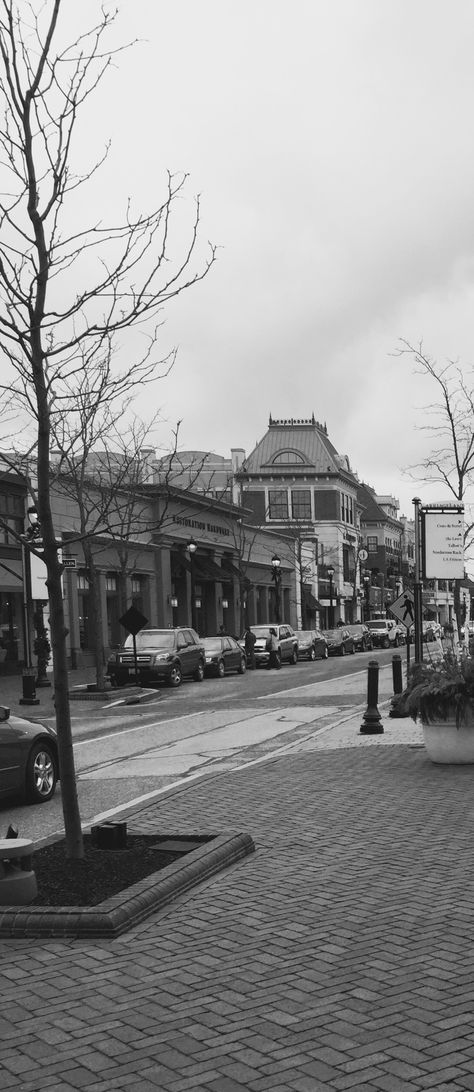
(212, 644)
(261, 631)
(377, 625)
(332, 633)
(153, 638)
(304, 634)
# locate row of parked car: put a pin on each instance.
(169, 655)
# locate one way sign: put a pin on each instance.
(404, 608)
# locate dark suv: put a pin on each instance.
(163, 655)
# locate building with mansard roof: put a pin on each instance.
(296, 481)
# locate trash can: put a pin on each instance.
(29, 687)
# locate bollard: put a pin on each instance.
(397, 675)
(371, 721)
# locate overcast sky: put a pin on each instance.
(331, 142)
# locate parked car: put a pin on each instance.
(223, 654)
(385, 633)
(287, 643)
(163, 655)
(29, 765)
(339, 641)
(362, 638)
(312, 644)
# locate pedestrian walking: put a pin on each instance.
(273, 650)
(249, 645)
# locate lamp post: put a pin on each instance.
(367, 594)
(330, 571)
(192, 547)
(31, 535)
(276, 577)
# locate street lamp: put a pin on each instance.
(330, 572)
(276, 577)
(192, 547)
(367, 593)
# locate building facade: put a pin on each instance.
(296, 482)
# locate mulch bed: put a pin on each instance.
(101, 873)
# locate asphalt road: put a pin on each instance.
(125, 752)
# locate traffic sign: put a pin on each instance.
(133, 620)
(363, 555)
(404, 609)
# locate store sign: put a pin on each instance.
(443, 544)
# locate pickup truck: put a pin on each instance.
(385, 633)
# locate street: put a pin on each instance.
(129, 752)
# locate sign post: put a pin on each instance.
(133, 621)
(403, 609)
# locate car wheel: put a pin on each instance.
(396, 642)
(343, 650)
(199, 672)
(385, 643)
(312, 654)
(221, 669)
(325, 654)
(175, 677)
(294, 657)
(243, 666)
(41, 773)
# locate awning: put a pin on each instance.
(310, 600)
(179, 561)
(231, 569)
(206, 569)
(11, 575)
(233, 573)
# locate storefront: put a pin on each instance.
(203, 567)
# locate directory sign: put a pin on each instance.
(443, 543)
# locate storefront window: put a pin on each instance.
(114, 634)
(12, 511)
(83, 603)
(10, 619)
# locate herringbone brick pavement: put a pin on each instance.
(339, 956)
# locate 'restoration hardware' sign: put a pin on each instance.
(443, 543)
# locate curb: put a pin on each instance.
(126, 695)
(131, 906)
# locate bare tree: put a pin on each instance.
(450, 426)
(67, 292)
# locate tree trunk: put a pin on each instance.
(72, 819)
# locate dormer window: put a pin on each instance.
(288, 458)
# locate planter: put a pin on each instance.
(447, 744)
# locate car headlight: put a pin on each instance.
(162, 657)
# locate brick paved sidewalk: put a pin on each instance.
(339, 956)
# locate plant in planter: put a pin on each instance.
(441, 695)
